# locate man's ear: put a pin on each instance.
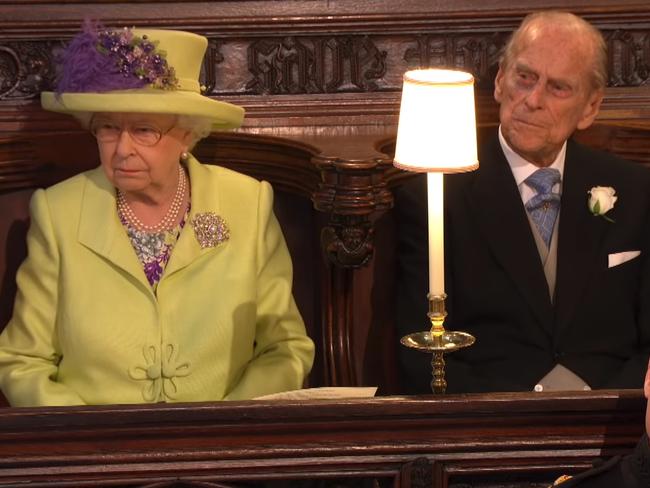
(498, 85)
(646, 384)
(591, 109)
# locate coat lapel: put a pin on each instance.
(580, 237)
(505, 226)
(204, 198)
(100, 229)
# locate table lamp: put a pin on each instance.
(437, 134)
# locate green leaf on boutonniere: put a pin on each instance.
(596, 209)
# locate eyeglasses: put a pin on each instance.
(143, 134)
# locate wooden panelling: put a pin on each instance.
(497, 440)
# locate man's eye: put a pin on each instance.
(560, 89)
(525, 77)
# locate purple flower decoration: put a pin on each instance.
(101, 60)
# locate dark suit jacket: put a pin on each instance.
(632, 471)
(599, 323)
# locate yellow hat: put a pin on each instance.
(137, 71)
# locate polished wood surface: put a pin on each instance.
(496, 440)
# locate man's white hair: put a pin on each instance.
(569, 22)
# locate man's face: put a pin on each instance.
(545, 93)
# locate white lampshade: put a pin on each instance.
(437, 122)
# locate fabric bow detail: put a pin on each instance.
(159, 371)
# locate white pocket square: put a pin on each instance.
(617, 258)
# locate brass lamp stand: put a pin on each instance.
(436, 134)
(437, 341)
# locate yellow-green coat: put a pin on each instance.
(88, 329)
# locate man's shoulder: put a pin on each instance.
(604, 160)
(630, 471)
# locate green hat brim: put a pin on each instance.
(223, 114)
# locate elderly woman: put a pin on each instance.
(153, 278)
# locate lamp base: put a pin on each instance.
(448, 341)
(438, 341)
(438, 345)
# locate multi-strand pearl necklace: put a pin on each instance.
(170, 218)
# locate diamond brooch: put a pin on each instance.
(210, 229)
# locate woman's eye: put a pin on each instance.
(144, 130)
(106, 126)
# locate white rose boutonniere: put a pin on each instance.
(601, 201)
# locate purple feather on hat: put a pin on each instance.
(100, 60)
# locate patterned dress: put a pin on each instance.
(153, 248)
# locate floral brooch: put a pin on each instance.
(210, 229)
(113, 60)
(601, 201)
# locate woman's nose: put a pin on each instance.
(124, 143)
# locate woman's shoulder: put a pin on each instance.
(228, 179)
(73, 184)
(226, 174)
(64, 199)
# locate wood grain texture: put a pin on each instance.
(492, 436)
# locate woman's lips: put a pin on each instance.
(127, 171)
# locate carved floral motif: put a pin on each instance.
(26, 68)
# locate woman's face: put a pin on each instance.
(140, 153)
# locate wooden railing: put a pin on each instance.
(513, 440)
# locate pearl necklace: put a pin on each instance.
(169, 219)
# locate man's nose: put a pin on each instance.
(536, 96)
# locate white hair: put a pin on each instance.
(530, 27)
(200, 127)
(83, 118)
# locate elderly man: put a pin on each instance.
(546, 243)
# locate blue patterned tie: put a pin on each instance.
(544, 206)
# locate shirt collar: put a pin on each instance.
(521, 168)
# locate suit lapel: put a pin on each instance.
(497, 202)
(580, 236)
(100, 229)
(204, 198)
